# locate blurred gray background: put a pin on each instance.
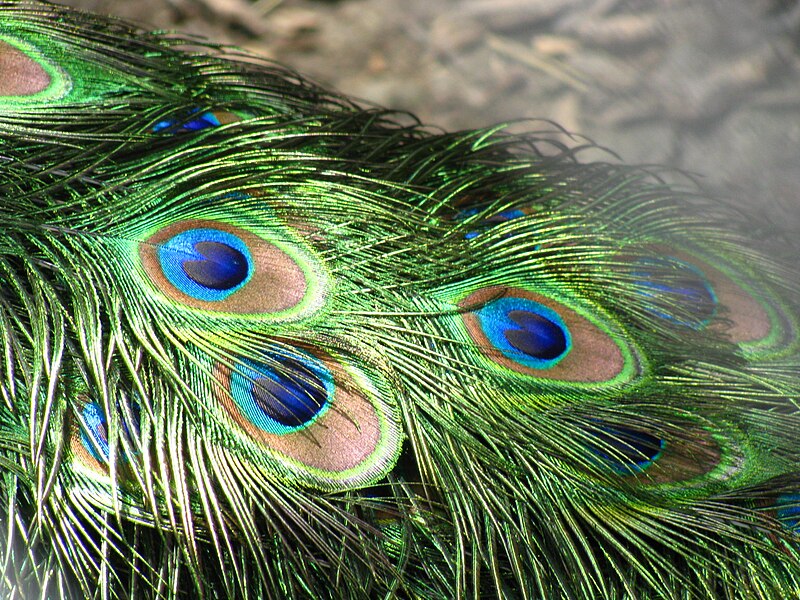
(709, 86)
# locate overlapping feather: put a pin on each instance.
(260, 342)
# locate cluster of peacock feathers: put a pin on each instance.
(257, 341)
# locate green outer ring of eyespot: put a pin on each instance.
(60, 83)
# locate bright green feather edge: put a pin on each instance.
(72, 80)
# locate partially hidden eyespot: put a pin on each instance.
(196, 121)
(90, 435)
(788, 511)
(676, 291)
(284, 395)
(625, 450)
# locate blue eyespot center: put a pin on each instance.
(788, 512)
(94, 437)
(681, 293)
(222, 267)
(489, 222)
(537, 336)
(624, 450)
(198, 123)
(525, 331)
(206, 264)
(284, 394)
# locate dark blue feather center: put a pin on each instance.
(788, 512)
(206, 264)
(94, 437)
(525, 331)
(625, 450)
(198, 123)
(537, 336)
(293, 396)
(488, 223)
(283, 394)
(681, 293)
(222, 267)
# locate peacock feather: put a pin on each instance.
(261, 342)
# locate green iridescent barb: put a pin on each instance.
(261, 342)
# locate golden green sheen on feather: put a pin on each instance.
(258, 341)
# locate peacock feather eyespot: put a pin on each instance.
(688, 456)
(525, 331)
(624, 450)
(90, 443)
(541, 336)
(490, 221)
(196, 122)
(219, 267)
(728, 298)
(681, 294)
(283, 397)
(323, 422)
(206, 264)
(788, 512)
(94, 436)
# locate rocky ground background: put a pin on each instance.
(711, 87)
